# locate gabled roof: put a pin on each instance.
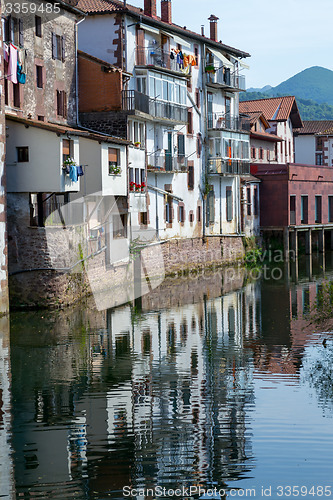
(275, 109)
(254, 116)
(94, 7)
(311, 127)
(266, 136)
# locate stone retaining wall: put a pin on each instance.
(36, 256)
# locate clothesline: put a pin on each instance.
(16, 59)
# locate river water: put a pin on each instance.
(212, 384)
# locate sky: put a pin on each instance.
(283, 37)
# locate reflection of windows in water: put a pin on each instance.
(231, 320)
(294, 303)
(146, 341)
(171, 337)
(119, 226)
(120, 420)
(251, 318)
(183, 332)
(306, 300)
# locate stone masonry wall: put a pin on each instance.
(109, 122)
(3, 224)
(40, 259)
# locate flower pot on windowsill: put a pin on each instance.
(137, 144)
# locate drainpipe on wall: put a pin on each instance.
(205, 139)
(220, 205)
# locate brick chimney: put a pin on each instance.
(213, 27)
(166, 11)
(150, 8)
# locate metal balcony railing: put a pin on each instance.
(136, 101)
(167, 163)
(227, 121)
(224, 166)
(223, 76)
(155, 56)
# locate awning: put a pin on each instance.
(150, 28)
(241, 63)
(222, 58)
(162, 191)
(181, 41)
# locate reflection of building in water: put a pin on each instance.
(6, 465)
(135, 399)
(191, 381)
(284, 332)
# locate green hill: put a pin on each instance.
(314, 83)
(309, 110)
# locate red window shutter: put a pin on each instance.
(54, 45)
(64, 104)
(63, 49)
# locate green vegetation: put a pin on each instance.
(309, 110)
(323, 309)
(312, 89)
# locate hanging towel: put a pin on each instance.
(21, 77)
(21, 55)
(80, 171)
(73, 173)
(6, 52)
(12, 66)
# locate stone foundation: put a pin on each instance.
(57, 266)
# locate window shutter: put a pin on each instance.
(63, 48)
(211, 207)
(113, 155)
(66, 147)
(229, 204)
(54, 45)
(12, 23)
(181, 145)
(21, 40)
(58, 102)
(64, 104)
(7, 29)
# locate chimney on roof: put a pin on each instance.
(202, 30)
(166, 11)
(213, 27)
(150, 8)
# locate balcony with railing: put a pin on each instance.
(224, 166)
(227, 121)
(222, 77)
(155, 56)
(166, 163)
(133, 100)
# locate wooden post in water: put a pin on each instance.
(308, 242)
(321, 241)
(294, 244)
(286, 243)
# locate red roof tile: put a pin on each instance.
(109, 6)
(274, 108)
(311, 127)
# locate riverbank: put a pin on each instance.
(115, 283)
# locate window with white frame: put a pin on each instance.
(167, 88)
(136, 133)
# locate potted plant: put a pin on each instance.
(137, 144)
(131, 185)
(210, 68)
(114, 169)
(137, 187)
(143, 185)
